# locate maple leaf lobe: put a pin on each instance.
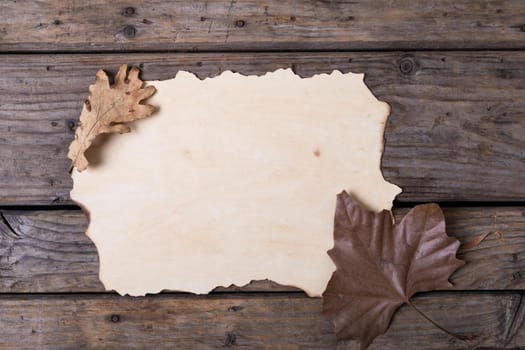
(107, 110)
(379, 265)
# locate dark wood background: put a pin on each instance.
(453, 72)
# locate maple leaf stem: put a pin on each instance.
(457, 336)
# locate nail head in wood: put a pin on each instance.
(72, 125)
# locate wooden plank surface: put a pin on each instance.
(452, 135)
(246, 322)
(456, 133)
(47, 251)
(259, 25)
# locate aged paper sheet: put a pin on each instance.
(234, 179)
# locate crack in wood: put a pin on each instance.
(228, 24)
(6, 229)
(516, 321)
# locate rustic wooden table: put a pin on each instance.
(453, 72)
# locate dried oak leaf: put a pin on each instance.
(108, 109)
(381, 265)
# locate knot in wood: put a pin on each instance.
(115, 318)
(407, 65)
(129, 11)
(129, 31)
(231, 340)
(235, 308)
(240, 23)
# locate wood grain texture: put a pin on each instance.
(47, 251)
(259, 25)
(246, 322)
(456, 131)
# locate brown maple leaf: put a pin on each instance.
(108, 109)
(381, 265)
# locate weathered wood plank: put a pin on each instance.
(456, 131)
(47, 251)
(259, 25)
(246, 322)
